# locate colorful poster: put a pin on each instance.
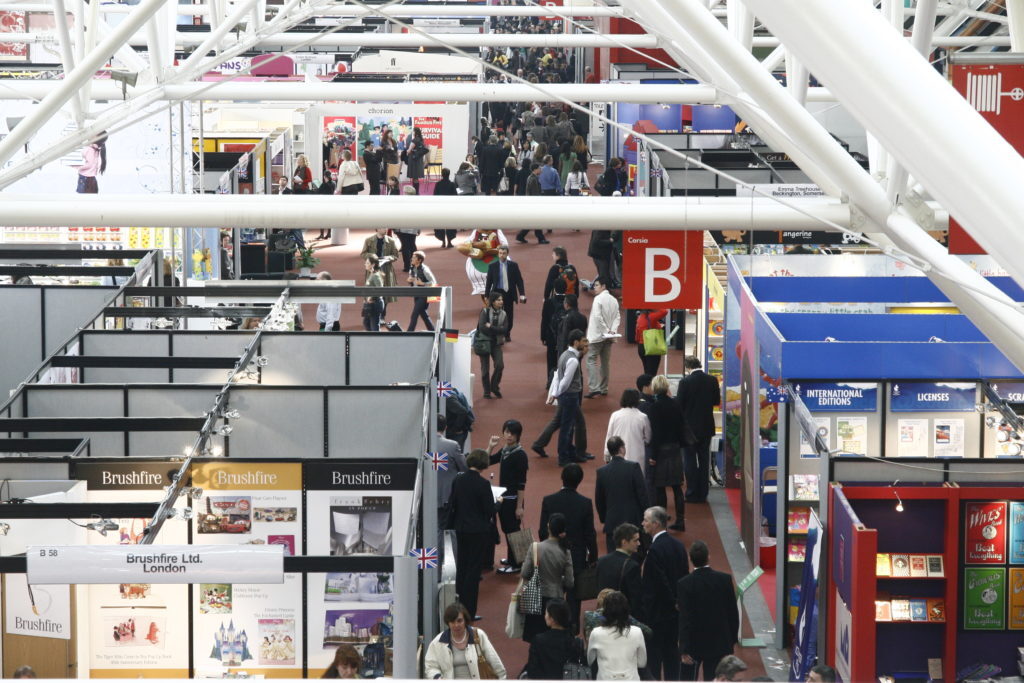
(252, 627)
(352, 608)
(916, 397)
(985, 533)
(1016, 533)
(432, 128)
(1016, 599)
(340, 133)
(984, 598)
(852, 435)
(912, 439)
(847, 397)
(13, 22)
(948, 438)
(135, 629)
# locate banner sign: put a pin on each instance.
(844, 397)
(42, 611)
(1009, 391)
(918, 397)
(85, 564)
(985, 533)
(726, 237)
(663, 269)
(361, 475)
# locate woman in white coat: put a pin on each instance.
(617, 647)
(456, 652)
(630, 425)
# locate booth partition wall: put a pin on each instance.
(311, 442)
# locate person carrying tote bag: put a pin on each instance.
(488, 341)
(551, 560)
(649, 331)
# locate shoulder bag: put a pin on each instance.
(514, 619)
(481, 344)
(483, 666)
(530, 599)
(576, 669)
(585, 586)
(654, 342)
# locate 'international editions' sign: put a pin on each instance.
(923, 397)
(84, 564)
(857, 397)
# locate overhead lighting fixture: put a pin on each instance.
(899, 501)
(102, 526)
(225, 430)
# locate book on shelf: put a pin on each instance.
(934, 564)
(918, 566)
(803, 487)
(883, 610)
(900, 609)
(797, 520)
(936, 610)
(796, 550)
(918, 609)
(900, 565)
(716, 328)
(882, 565)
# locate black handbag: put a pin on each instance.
(585, 585)
(481, 345)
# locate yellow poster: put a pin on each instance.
(1017, 599)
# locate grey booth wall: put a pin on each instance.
(37, 320)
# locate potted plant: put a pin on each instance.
(306, 259)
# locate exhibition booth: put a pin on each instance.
(308, 446)
(879, 368)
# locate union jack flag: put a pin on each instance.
(445, 389)
(439, 461)
(426, 557)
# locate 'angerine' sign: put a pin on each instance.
(84, 564)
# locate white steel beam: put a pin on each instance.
(67, 56)
(948, 147)
(79, 78)
(426, 212)
(267, 91)
(1015, 17)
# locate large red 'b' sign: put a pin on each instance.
(663, 269)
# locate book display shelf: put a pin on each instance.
(921, 580)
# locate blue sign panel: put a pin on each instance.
(1009, 391)
(844, 397)
(923, 397)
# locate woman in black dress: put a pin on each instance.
(667, 420)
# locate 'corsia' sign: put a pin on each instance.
(84, 564)
(856, 397)
(913, 397)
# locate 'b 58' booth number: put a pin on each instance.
(48, 552)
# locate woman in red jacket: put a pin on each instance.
(647, 319)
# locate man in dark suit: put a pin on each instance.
(621, 494)
(698, 395)
(472, 509)
(579, 533)
(709, 620)
(371, 160)
(619, 569)
(664, 565)
(504, 275)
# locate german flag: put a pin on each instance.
(451, 336)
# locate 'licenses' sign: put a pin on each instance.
(84, 564)
(914, 397)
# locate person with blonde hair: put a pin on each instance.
(667, 422)
(350, 176)
(617, 646)
(303, 176)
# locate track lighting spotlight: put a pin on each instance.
(225, 430)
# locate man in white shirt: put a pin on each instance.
(602, 329)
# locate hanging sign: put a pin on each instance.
(85, 564)
(985, 533)
(1016, 541)
(917, 397)
(1009, 391)
(984, 598)
(845, 397)
(663, 269)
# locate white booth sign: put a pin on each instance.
(85, 564)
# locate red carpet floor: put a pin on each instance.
(524, 390)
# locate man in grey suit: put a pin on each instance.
(456, 465)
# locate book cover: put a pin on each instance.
(796, 550)
(1016, 591)
(901, 609)
(935, 567)
(716, 328)
(918, 566)
(797, 520)
(883, 611)
(984, 598)
(1016, 533)
(804, 487)
(985, 533)
(901, 565)
(936, 610)
(918, 609)
(882, 565)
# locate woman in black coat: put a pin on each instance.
(550, 650)
(667, 420)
